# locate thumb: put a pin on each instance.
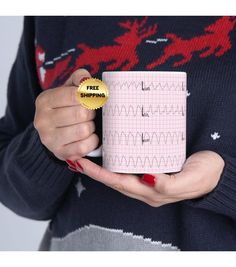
(77, 76)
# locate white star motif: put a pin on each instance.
(188, 93)
(79, 187)
(215, 136)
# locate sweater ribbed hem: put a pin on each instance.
(36, 181)
(222, 199)
(39, 165)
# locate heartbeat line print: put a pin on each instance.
(122, 138)
(141, 110)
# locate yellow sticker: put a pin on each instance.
(92, 93)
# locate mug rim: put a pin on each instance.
(148, 72)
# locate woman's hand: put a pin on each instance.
(65, 127)
(199, 176)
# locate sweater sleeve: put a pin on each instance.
(32, 181)
(222, 199)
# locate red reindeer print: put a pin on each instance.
(123, 52)
(215, 41)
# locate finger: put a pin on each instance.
(159, 182)
(125, 182)
(73, 133)
(165, 188)
(186, 181)
(62, 97)
(66, 96)
(176, 184)
(77, 76)
(76, 150)
(71, 115)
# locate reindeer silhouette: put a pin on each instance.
(215, 41)
(123, 52)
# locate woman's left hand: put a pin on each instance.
(200, 175)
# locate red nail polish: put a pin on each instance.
(70, 163)
(78, 166)
(72, 169)
(84, 78)
(149, 179)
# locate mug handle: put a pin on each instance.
(95, 153)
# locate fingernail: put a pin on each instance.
(72, 169)
(70, 163)
(149, 179)
(79, 167)
(84, 78)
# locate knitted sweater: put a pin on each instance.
(85, 214)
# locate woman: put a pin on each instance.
(44, 127)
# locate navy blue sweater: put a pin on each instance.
(85, 214)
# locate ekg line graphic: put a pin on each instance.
(144, 121)
(174, 86)
(154, 161)
(122, 138)
(140, 110)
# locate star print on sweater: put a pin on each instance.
(215, 136)
(79, 187)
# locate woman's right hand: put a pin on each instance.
(65, 127)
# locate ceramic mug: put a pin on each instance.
(144, 122)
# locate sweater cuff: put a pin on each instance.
(222, 199)
(39, 165)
